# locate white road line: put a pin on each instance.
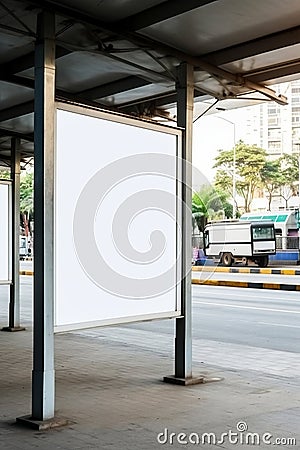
(248, 307)
(279, 325)
(231, 294)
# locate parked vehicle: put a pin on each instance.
(235, 241)
(24, 247)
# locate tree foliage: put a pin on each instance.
(271, 178)
(26, 196)
(289, 167)
(249, 161)
(209, 204)
(26, 193)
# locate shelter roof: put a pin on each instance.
(123, 54)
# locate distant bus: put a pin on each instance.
(244, 242)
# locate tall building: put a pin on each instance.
(280, 125)
(276, 129)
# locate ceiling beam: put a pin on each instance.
(16, 111)
(26, 62)
(274, 72)
(158, 13)
(115, 87)
(11, 133)
(254, 47)
(161, 100)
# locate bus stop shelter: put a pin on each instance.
(145, 64)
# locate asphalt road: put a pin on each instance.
(260, 318)
(232, 328)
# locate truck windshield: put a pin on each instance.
(260, 233)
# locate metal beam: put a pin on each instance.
(26, 62)
(275, 71)
(16, 111)
(115, 87)
(160, 12)
(254, 47)
(18, 81)
(11, 133)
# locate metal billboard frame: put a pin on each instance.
(8, 183)
(141, 124)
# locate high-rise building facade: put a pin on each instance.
(276, 128)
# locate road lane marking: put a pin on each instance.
(232, 293)
(248, 307)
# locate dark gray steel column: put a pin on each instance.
(43, 382)
(14, 301)
(183, 338)
(14, 288)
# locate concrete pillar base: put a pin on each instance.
(12, 329)
(189, 381)
(42, 425)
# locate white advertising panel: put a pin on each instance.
(5, 234)
(117, 219)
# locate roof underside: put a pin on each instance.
(123, 54)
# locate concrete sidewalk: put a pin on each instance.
(251, 270)
(109, 386)
(248, 284)
(288, 285)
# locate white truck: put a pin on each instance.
(235, 241)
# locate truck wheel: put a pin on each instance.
(227, 259)
(263, 261)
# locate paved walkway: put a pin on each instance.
(109, 385)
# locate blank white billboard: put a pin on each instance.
(117, 219)
(5, 234)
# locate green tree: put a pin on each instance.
(289, 166)
(250, 160)
(271, 178)
(199, 212)
(4, 174)
(26, 196)
(209, 204)
(26, 199)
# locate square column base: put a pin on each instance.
(183, 381)
(42, 425)
(189, 381)
(13, 329)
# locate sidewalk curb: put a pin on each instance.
(245, 284)
(26, 272)
(265, 271)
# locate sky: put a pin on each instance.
(213, 132)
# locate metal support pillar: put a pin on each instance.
(43, 376)
(14, 288)
(183, 338)
(43, 340)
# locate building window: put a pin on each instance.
(273, 121)
(274, 133)
(296, 114)
(274, 147)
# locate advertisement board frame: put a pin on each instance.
(7, 236)
(140, 124)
